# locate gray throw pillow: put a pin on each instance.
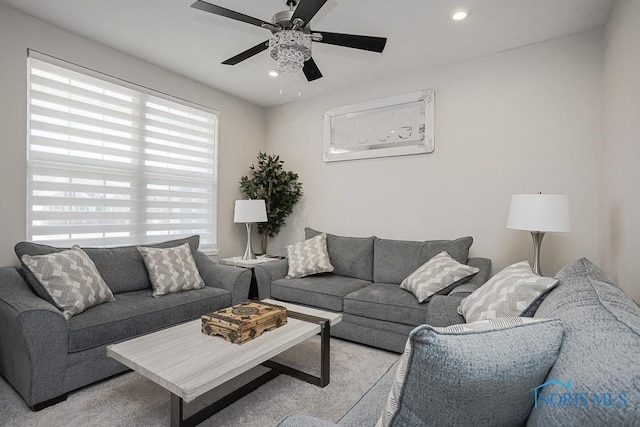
(70, 279)
(509, 293)
(308, 257)
(171, 270)
(477, 374)
(439, 275)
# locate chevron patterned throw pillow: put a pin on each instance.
(438, 275)
(71, 278)
(308, 257)
(509, 293)
(171, 270)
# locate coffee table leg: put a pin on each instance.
(176, 411)
(325, 356)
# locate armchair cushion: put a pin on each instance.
(480, 374)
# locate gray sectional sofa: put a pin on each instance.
(364, 286)
(599, 359)
(43, 356)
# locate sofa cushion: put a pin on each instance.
(437, 276)
(600, 352)
(136, 313)
(509, 293)
(394, 260)
(121, 267)
(386, 301)
(308, 257)
(171, 270)
(324, 291)
(70, 278)
(476, 374)
(350, 256)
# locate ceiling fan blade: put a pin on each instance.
(221, 11)
(373, 44)
(307, 9)
(311, 70)
(247, 54)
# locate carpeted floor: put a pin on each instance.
(132, 400)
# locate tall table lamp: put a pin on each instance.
(539, 214)
(248, 212)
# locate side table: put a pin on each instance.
(250, 264)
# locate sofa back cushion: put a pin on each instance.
(122, 268)
(350, 256)
(394, 260)
(599, 354)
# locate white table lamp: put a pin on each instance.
(539, 214)
(248, 212)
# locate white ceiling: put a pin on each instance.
(420, 33)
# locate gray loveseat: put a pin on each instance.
(43, 356)
(599, 359)
(364, 286)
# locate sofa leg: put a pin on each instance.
(40, 406)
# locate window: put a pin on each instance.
(113, 165)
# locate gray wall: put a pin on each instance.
(242, 124)
(621, 149)
(521, 121)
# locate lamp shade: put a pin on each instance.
(539, 212)
(248, 211)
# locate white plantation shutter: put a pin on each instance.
(110, 165)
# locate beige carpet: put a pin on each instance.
(132, 400)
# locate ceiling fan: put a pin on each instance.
(291, 36)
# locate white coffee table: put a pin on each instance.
(189, 363)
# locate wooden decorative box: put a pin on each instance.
(245, 321)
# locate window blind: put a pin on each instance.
(109, 165)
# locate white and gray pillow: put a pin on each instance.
(171, 270)
(478, 374)
(509, 293)
(438, 275)
(71, 280)
(308, 257)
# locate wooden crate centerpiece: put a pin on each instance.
(245, 321)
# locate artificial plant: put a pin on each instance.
(279, 188)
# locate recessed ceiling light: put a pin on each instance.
(460, 13)
(273, 73)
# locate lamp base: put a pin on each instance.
(248, 252)
(537, 243)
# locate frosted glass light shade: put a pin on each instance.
(248, 211)
(539, 212)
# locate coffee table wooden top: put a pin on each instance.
(189, 363)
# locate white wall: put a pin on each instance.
(521, 121)
(242, 124)
(621, 149)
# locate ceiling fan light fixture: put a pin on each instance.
(460, 13)
(291, 48)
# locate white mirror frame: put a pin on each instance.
(395, 126)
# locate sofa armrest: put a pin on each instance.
(268, 272)
(33, 340)
(234, 279)
(443, 310)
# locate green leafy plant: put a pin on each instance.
(279, 188)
